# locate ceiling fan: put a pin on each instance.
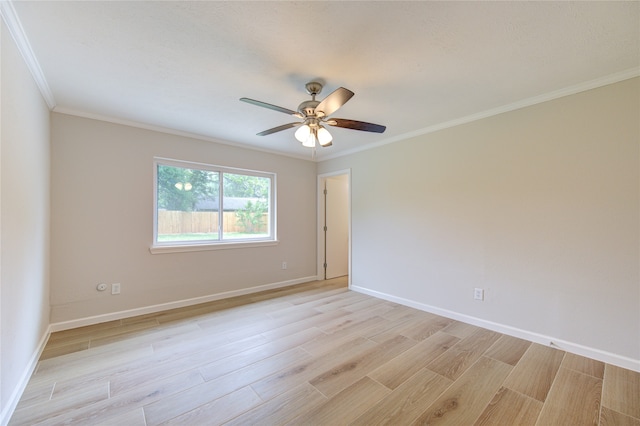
(315, 114)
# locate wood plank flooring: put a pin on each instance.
(316, 354)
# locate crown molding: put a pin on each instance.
(169, 131)
(16, 30)
(567, 91)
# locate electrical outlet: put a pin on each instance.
(478, 294)
(115, 288)
(284, 265)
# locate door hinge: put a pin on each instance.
(325, 266)
(325, 229)
(325, 191)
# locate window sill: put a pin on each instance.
(176, 248)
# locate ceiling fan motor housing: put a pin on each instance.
(308, 108)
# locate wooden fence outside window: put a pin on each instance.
(180, 222)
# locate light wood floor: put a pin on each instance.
(315, 354)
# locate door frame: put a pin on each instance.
(320, 219)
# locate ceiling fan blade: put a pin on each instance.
(272, 107)
(335, 100)
(278, 129)
(356, 125)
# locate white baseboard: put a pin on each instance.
(13, 400)
(593, 353)
(575, 348)
(81, 322)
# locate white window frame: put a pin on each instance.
(184, 246)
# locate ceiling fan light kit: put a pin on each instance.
(310, 132)
(314, 114)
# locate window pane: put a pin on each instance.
(246, 206)
(187, 204)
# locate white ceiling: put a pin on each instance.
(414, 66)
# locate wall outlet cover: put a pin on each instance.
(478, 294)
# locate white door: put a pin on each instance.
(337, 226)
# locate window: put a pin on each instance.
(200, 206)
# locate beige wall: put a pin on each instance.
(539, 206)
(102, 227)
(24, 224)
